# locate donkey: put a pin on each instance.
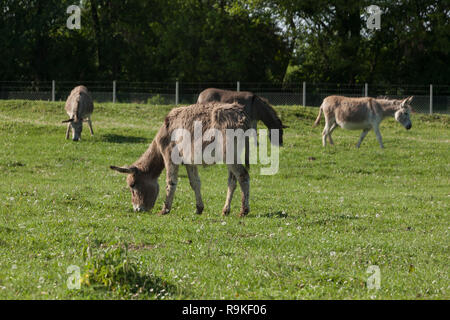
(79, 107)
(256, 107)
(361, 113)
(143, 174)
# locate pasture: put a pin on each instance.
(312, 232)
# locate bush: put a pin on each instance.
(157, 100)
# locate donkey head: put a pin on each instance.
(144, 190)
(77, 127)
(280, 135)
(402, 114)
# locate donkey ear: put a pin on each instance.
(409, 100)
(68, 120)
(131, 169)
(406, 102)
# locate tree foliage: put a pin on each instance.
(227, 40)
(332, 42)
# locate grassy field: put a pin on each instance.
(313, 231)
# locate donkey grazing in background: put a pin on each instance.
(256, 107)
(79, 107)
(143, 174)
(361, 113)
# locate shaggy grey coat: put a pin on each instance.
(79, 106)
(143, 174)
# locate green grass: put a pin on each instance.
(312, 232)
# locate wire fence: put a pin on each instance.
(427, 98)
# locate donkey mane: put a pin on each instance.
(151, 161)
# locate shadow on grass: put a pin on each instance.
(334, 219)
(6, 229)
(136, 286)
(115, 138)
(110, 268)
(276, 214)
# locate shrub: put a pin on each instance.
(156, 99)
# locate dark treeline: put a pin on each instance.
(277, 41)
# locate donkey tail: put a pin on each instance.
(318, 117)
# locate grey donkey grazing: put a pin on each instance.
(79, 107)
(363, 114)
(143, 174)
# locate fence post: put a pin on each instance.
(114, 91)
(431, 99)
(238, 86)
(177, 92)
(304, 94)
(53, 90)
(366, 89)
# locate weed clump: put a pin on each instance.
(111, 268)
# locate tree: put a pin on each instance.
(332, 44)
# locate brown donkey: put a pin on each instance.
(361, 113)
(79, 107)
(143, 174)
(256, 107)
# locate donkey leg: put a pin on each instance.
(67, 131)
(90, 126)
(194, 180)
(333, 126)
(231, 188)
(171, 186)
(325, 131)
(253, 125)
(361, 138)
(247, 152)
(243, 178)
(378, 133)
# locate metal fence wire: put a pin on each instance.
(427, 98)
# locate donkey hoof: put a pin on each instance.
(163, 212)
(225, 212)
(244, 212)
(200, 209)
